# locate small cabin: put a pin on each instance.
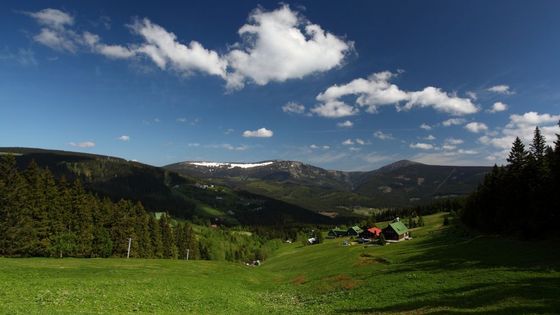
(337, 233)
(354, 231)
(371, 233)
(396, 231)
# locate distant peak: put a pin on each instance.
(397, 165)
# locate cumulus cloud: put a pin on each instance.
(453, 141)
(292, 107)
(453, 122)
(110, 51)
(383, 136)
(523, 126)
(52, 18)
(501, 89)
(334, 109)
(124, 138)
(348, 142)
(476, 127)
(315, 147)
(425, 126)
(259, 133)
(430, 138)
(274, 46)
(84, 144)
(498, 107)
(165, 50)
(345, 124)
(421, 146)
(377, 90)
(280, 45)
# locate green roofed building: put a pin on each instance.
(396, 231)
(337, 233)
(354, 231)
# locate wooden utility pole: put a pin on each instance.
(128, 252)
(188, 253)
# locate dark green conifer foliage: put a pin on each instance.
(167, 237)
(155, 236)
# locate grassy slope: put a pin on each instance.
(439, 272)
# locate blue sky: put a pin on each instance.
(343, 86)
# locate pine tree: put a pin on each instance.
(155, 236)
(538, 146)
(167, 237)
(517, 158)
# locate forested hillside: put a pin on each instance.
(523, 197)
(43, 216)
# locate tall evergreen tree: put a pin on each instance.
(538, 146)
(517, 158)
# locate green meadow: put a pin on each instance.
(440, 271)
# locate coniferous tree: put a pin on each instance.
(517, 158)
(155, 236)
(167, 237)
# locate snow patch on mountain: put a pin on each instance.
(230, 165)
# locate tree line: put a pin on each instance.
(42, 216)
(521, 198)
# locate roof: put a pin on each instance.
(399, 227)
(374, 230)
(356, 229)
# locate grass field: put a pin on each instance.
(438, 272)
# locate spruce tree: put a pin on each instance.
(517, 158)
(538, 146)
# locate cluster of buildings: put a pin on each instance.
(395, 231)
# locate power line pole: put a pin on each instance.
(128, 252)
(188, 253)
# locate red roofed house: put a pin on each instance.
(371, 233)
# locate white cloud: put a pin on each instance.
(453, 122)
(292, 107)
(181, 119)
(422, 146)
(448, 147)
(454, 141)
(472, 95)
(425, 126)
(334, 109)
(348, 142)
(501, 89)
(124, 138)
(430, 138)
(360, 141)
(52, 18)
(280, 45)
(56, 39)
(440, 101)
(84, 144)
(383, 136)
(314, 147)
(376, 91)
(476, 127)
(345, 124)
(167, 52)
(259, 133)
(523, 126)
(498, 107)
(110, 51)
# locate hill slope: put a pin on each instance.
(402, 183)
(438, 272)
(164, 190)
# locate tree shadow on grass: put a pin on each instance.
(538, 295)
(535, 292)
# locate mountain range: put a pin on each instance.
(262, 192)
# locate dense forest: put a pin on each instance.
(521, 198)
(42, 216)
